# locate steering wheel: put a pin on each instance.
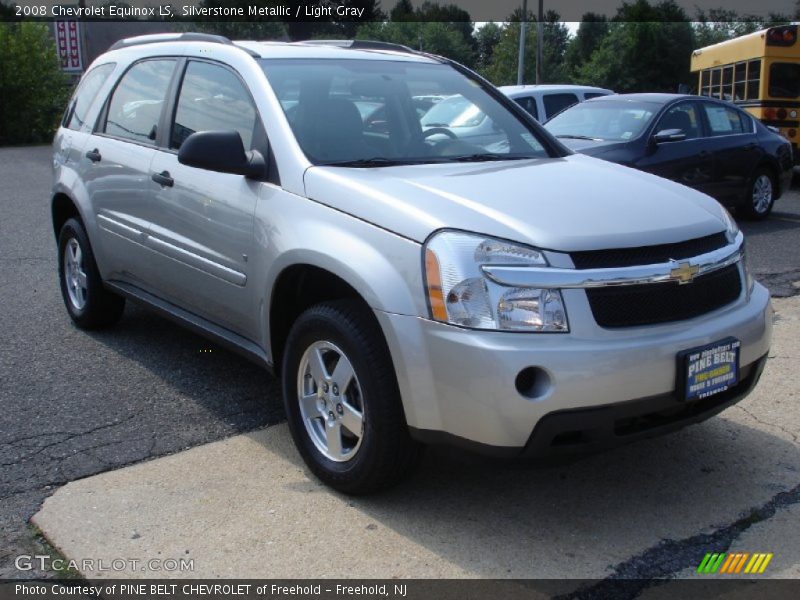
(434, 130)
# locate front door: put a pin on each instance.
(689, 161)
(202, 232)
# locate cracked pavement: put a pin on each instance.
(78, 404)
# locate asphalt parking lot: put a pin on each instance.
(77, 404)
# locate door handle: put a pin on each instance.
(163, 179)
(704, 154)
(94, 155)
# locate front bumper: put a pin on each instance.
(459, 385)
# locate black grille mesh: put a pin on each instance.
(628, 306)
(647, 255)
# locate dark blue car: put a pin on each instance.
(704, 143)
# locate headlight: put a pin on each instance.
(460, 294)
(731, 226)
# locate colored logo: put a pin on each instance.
(684, 273)
(734, 563)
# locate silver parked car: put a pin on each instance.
(408, 286)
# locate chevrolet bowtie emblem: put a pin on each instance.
(684, 273)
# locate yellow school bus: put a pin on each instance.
(759, 72)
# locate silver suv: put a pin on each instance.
(409, 286)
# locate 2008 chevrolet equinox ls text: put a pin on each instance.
(409, 283)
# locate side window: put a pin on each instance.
(740, 81)
(705, 83)
(136, 102)
(727, 83)
(555, 103)
(724, 120)
(83, 97)
(529, 104)
(213, 98)
(684, 117)
(590, 95)
(753, 79)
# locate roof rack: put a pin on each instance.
(361, 45)
(155, 38)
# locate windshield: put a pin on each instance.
(603, 120)
(358, 112)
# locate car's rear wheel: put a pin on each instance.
(88, 303)
(342, 400)
(761, 196)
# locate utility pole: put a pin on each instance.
(522, 27)
(539, 42)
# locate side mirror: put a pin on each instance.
(221, 151)
(669, 135)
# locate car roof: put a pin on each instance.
(324, 51)
(198, 43)
(552, 87)
(651, 97)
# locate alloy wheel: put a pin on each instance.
(762, 194)
(331, 401)
(75, 275)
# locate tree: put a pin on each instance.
(32, 86)
(430, 36)
(718, 25)
(402, 11)
(591, 32)
(487, 38)
(8, 10)
(647, 49)
(503, 67)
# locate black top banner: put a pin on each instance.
(377, 10)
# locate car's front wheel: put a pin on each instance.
(342, 400)
(88, 303)
(761, 196)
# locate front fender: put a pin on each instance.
(384, 268)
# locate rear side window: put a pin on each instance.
(213, 98)
(136, 103)
(590, 95)
(725, 121)
(83, 97)
(555, 103)
(529, 104)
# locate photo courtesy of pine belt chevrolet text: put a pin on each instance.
(411, 280)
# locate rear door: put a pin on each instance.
(116, 168)
(689, 161)
(75, 126)
(202, 231)
(735, 150)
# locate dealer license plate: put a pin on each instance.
(709, 370)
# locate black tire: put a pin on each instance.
(752, 209)
(386, 452)
(100, 308)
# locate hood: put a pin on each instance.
(567, 204)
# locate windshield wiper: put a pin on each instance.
(580, 137)
(376, 161)
(485, 156)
